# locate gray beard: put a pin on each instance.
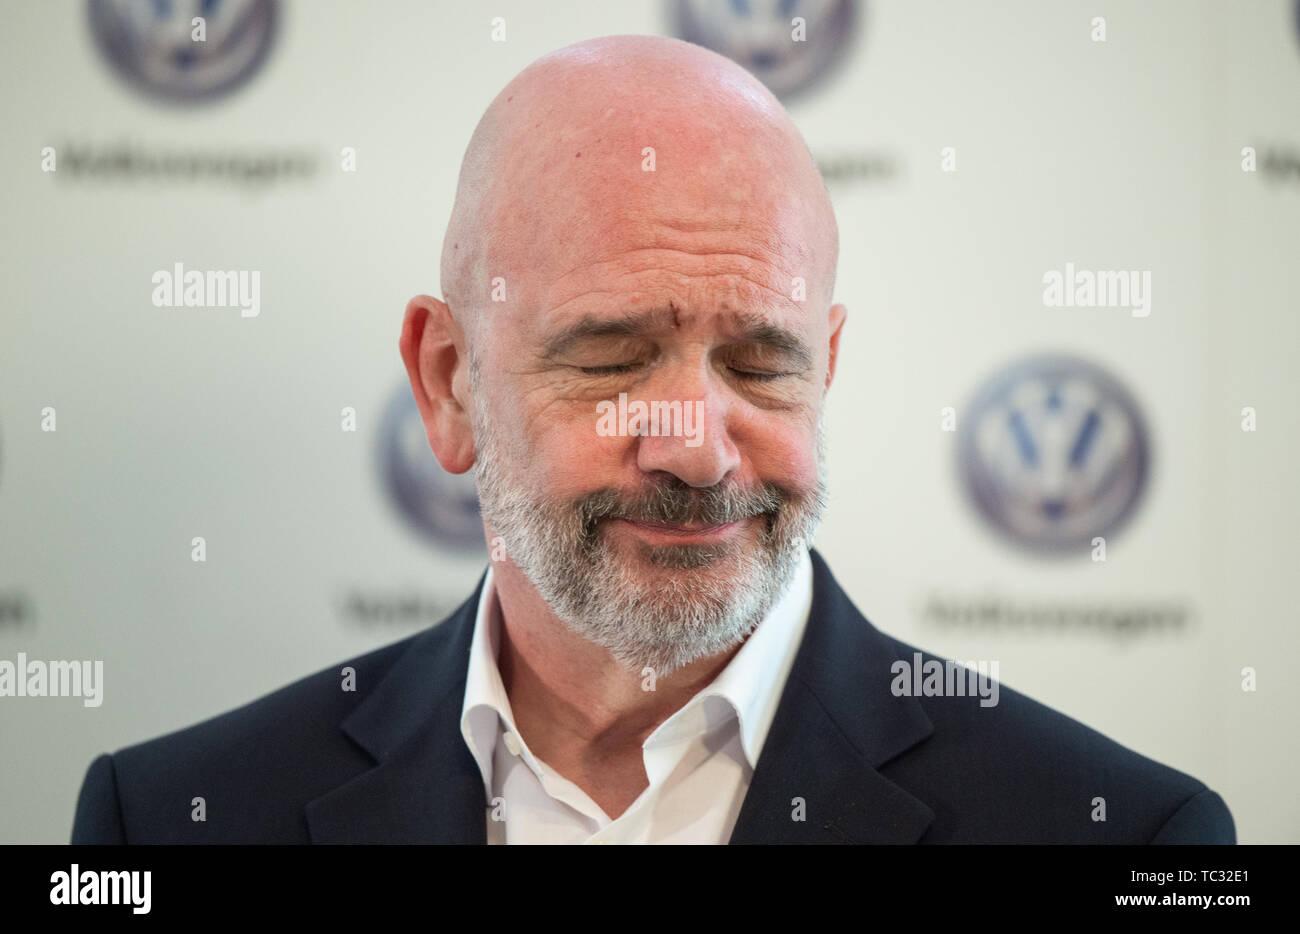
(688, 601)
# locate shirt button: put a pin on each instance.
(512, 743)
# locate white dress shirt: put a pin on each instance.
(699, 761)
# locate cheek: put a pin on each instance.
(780, 451)
(564, 456)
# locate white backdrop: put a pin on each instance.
(175, 423)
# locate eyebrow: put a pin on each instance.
(632, 324)
(778, 339)
(749, 327)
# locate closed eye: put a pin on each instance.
(613, 369)
(757, 376)
(608, 370)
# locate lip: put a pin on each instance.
(661, 533)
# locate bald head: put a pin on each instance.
(608, 147)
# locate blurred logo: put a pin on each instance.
(442, 507)
(152, 43)
(1054, 451)
(790, 45)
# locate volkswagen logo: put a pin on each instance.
(762, 36)
(1053, 452)
(151, 43)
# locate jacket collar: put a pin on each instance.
(426, 786)
(836, 723)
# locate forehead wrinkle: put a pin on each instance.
(697, 211)
(642, 265)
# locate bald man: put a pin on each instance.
(632, 352)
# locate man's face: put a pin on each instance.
(661, 547)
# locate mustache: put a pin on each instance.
(674, 501)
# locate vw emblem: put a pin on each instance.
(151, 43)
(762, 36)
(1053, 452)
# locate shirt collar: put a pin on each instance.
(751, 684)
(486, 702)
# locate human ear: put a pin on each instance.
(433, 348)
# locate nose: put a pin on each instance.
(694, 446)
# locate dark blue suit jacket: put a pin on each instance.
(312, 763)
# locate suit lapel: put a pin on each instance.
(837, 722)
(425, 786)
